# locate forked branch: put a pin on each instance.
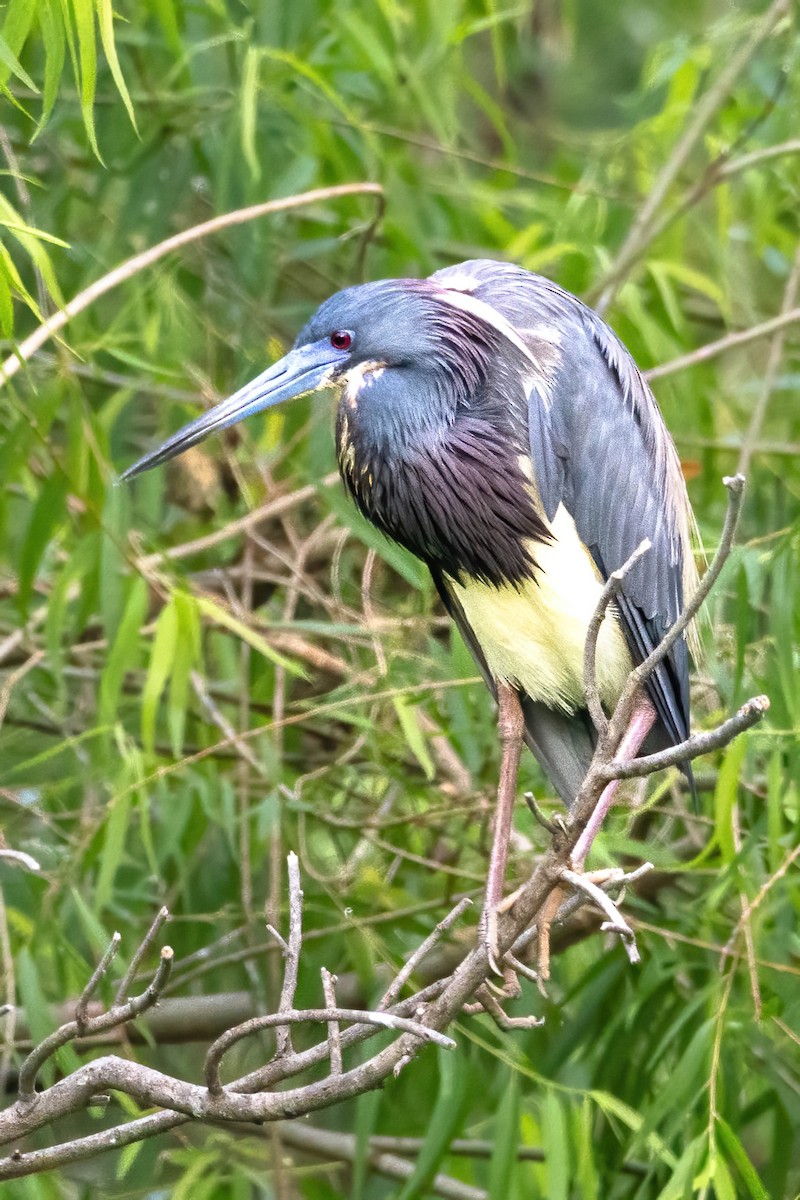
(554, 890)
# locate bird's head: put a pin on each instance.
(429, 352)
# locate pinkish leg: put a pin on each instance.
(511, 725)
(641, 723)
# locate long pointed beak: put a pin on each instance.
(303, 370)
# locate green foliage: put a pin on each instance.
(534, 134)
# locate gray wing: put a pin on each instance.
(599, 446)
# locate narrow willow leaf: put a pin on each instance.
(87, 57)
(124, 653)
(6, 303)
(221, 616)
(51, 26)
(741, 1160)
(367, 1108)
(48, 514)
(9, 60)
(17, 21)
(187, 653)
(409, 723)
(558, 1161)
(444, 1123)
(725, 796)
(249, 109)
(105, 20)
(503, 1163)
(162, 655)
(116, 827)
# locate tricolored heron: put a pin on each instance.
(495, 426)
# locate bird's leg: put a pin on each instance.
(511, 724)
(641, 723)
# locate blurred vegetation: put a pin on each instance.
(532, 133)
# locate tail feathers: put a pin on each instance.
(562, 744)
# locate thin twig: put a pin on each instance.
(67, 1033)
(97, 974)
(609, 593)
(703, 112)
(774, 359)
(398, 983)
(699, 743)
(642, 673)
(139, 262)
(291, 965)
(223, 1044)
(722, 345)
(616, 923)
(334, 1037)
(20, 858)
(145, 944)
(266, 512)
(219, 719)
(328, 1144)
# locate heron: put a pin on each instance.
(494, 425)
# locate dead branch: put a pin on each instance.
(262, 1096)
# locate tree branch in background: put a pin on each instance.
(263, 1095)
(645, 226)
(139, 262)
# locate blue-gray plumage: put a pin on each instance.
(494, 425)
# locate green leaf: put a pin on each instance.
(105, 19)
(162, 656)
(49, 512)
(556, 1148)
(124, 652)
(221, 616)
(725, 796)
(249, 110)
(444, 1123)
(741, 1160)
(409, 723)
(503, 1162)
(10, 60)
(87, 57)
(116, 827)
(51, 25)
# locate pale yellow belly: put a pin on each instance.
(534, 635)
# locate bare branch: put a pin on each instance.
(20, 858)
(329, 995)
(73, 1029)
(139, 262)
(731, 340)
(609, 593)
(145, 944)
(616, 923)
(293, 947)
(263, 1095)
(397, 985)
(699, 743)
(641, 231)
(94, 980)
(622, 712)
(771, 370)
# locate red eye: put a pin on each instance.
(341, 339)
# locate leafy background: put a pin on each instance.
(532, 133)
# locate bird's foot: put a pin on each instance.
(592, 887)
(488, 1000)
(487, 931)
(491, 996)
(557, 826)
